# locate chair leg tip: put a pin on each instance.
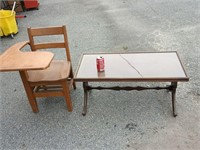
(70, 109)
(35, 111)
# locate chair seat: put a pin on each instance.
(58, 70)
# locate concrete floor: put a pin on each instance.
(115, 120)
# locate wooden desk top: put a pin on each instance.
(15, 60)
(141, 66)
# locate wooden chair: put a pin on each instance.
(57, 79)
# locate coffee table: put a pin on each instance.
(132, 67)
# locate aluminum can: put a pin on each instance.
(100, 64)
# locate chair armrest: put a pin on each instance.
(15, 60)
(15, 48)
(19, 46)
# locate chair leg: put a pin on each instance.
(29, 92)
(33, 102)
(66, 94)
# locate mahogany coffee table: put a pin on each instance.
(132, 67)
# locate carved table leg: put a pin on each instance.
(85, 84)
(174, 86)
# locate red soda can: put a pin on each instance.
(100, 64)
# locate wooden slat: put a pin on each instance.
(46, 31)
(48, 94)
(42, 88)
(49, 45)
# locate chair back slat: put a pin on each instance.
(46, 31)
(49, 45)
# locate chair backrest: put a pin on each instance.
(49, 31)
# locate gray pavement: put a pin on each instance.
(115, 120)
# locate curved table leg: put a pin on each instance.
(85, 84)
(174, 86)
